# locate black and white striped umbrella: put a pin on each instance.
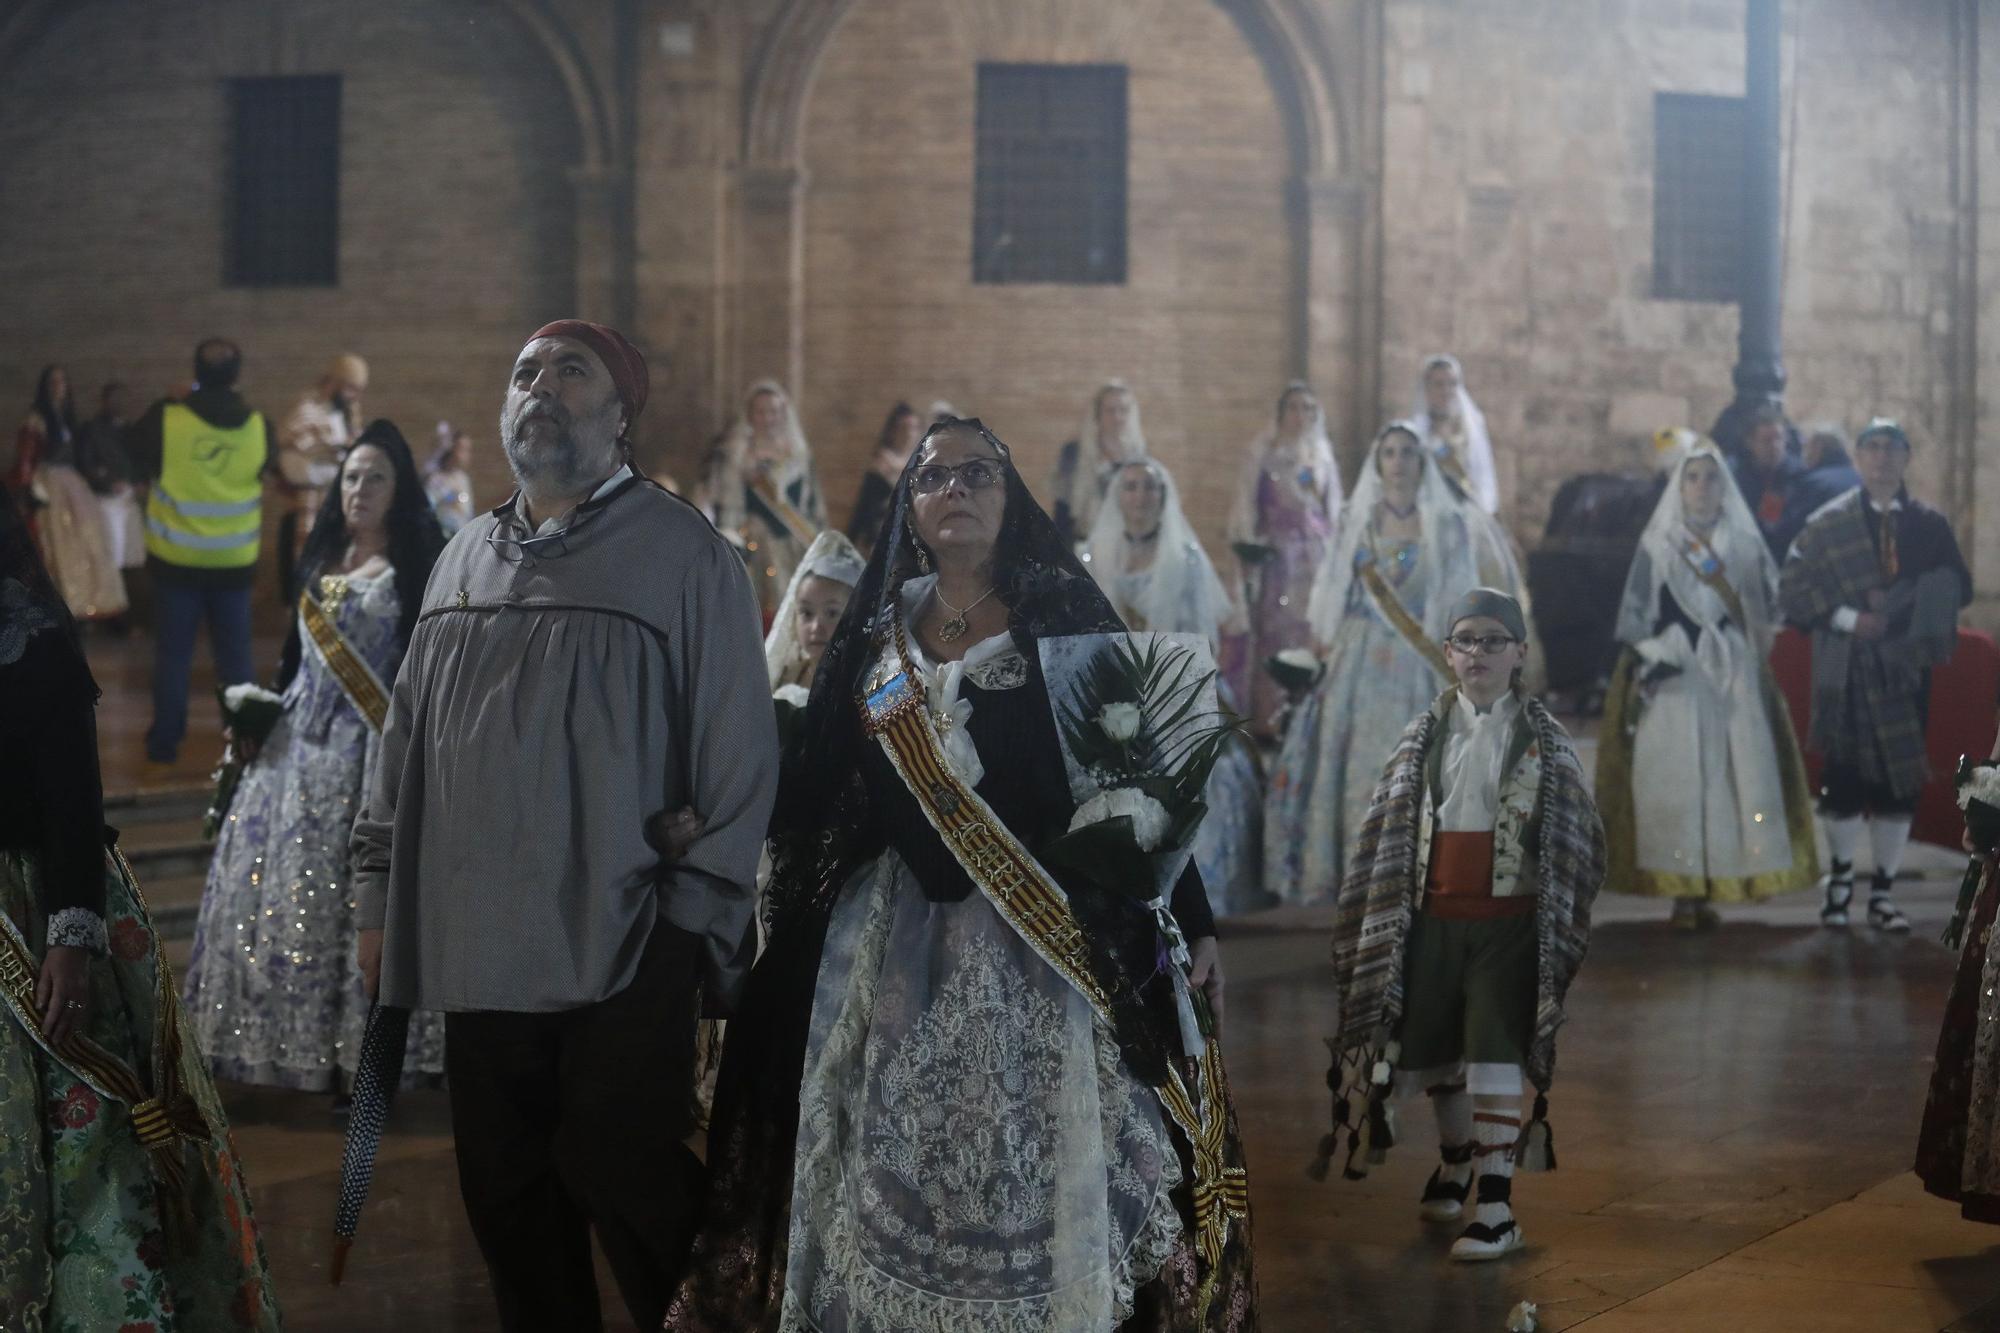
(375, 1080)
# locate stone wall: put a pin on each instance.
(784, 186)
(1518, 194)
(456, 225)
(1200, 328)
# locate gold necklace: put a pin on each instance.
(952, 630)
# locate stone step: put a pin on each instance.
(166, 851)
(174, 901)
(181, 803)
(176, 950)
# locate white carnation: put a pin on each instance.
(1983, 786)
(1149, 818)
(238, 695)
(1120, 721)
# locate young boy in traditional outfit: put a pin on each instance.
(1464, 915)
(1876, 577)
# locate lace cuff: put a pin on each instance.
(77, 927)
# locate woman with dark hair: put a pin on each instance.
(68, 521)
(102, 1228)
(959, 1093)
(893, 447)
(273, 982)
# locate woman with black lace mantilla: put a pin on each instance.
(959, 1094)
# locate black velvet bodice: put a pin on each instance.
(1026, 783)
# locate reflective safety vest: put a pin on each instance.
(206, 510)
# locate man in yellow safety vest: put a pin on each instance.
(204, 457)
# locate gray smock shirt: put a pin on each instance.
(551, 700)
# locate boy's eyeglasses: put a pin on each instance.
(976, 475)
(1486, 645)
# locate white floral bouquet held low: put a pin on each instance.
(248, 712)
(1296, 670)
(1143, 728)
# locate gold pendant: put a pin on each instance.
(332, 592)
(952, 630)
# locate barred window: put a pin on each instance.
(284, 182)
(1698, 197)
(1049, 174)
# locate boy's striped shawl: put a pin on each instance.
(1384, 885)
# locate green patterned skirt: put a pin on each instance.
(111, 1220)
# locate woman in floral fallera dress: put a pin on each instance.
(273, 986)
(759, 488)
(1287, 511)
(99, 1229)
(1409, 546)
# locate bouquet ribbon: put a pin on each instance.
(1194, 1032)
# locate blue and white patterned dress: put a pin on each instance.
(273, 988)
(1342, 734)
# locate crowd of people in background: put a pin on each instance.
(1386, 621)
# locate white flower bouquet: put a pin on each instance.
(249, 712)
(1140, 723)
(1295, 669)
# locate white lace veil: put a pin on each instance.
(1662, 559)
(1306, 465)
(1183, 594)
(1477, 452)
(1463, 548)
(723, 498)
(831, 556)
(1084, 489)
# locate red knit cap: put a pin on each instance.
(620, 358)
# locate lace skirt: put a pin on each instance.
(971, 1152)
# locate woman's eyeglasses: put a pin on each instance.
(1486, 645)
(975, 475)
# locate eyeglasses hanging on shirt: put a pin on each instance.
(554, 545)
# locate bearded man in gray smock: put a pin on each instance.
(589, 656)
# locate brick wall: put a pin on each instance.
(891, 311)
(1508, 156)
(1518, 195)
(455, 228)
